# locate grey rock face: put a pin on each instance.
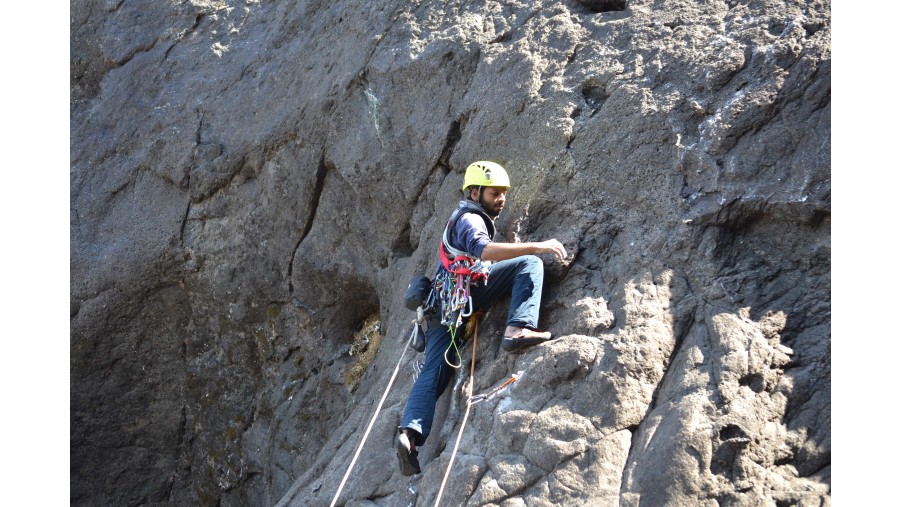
(254, 183)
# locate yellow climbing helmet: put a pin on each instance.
(485, 174)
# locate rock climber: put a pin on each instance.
(510, 268)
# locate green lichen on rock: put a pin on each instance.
(263, 343)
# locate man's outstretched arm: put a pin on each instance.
(503, 251)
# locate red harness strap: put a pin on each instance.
(460, 270)
(464, 263)
(464, 269)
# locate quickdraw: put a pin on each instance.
(478, 398)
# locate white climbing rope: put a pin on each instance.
(372, 422)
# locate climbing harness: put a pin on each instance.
(371, 423)
(453, 285)
(462, 426)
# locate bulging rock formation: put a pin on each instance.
(254, 183)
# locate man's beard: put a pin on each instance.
(491, 213)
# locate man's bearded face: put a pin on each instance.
(492, 199)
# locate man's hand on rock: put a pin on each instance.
(553, 246)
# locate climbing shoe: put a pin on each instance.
(408, 455)
(524, 338)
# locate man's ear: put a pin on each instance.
(474, 193)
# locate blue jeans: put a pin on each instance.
(524, 278)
